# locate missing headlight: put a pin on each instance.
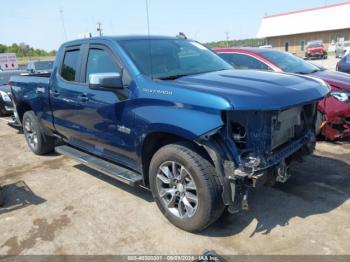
(239, 133)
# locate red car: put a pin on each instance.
(316, 49)
(333, 112)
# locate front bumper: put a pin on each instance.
(304, 145)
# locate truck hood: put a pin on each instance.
(335, 79)
(257, 90)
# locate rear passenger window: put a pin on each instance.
(100, 61)
(70, 65)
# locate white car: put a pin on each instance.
(342, 49)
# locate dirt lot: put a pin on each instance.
(56, 206)
(330, 63)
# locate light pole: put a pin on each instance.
(227, 38)
(99, 28)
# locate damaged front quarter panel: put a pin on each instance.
(256, 148)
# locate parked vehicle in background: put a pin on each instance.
(344, 64)
(334, 110)
(40, 66)
(315, 49)
(342, 49)
(6, 105)
(8, 61)
(169, 114)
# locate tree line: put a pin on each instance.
(251, 42)
(24, 50)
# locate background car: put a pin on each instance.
(315, 49)
(342, 49)
(6, 106)
(333, 120)
(344, 64)
(40, 66)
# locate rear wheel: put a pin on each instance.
(185, 187)
(37, 140)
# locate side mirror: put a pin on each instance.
(105, 81)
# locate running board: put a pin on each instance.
(123, 174)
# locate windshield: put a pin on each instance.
(43, 65)
(315, 45)
(172, 58)
(289, 63)
(347, 44)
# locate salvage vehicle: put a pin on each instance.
(333, 117)
(169, 114)
(6, 106)
(344, 64)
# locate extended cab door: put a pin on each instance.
(105, 116)
(65, 92)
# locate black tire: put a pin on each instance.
(3, 111)
(1, 197)
(208, 189)
(37, 140)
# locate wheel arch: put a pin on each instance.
(156, 140)
(21, 108)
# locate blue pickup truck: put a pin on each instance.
(170, 115)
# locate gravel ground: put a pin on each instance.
(329, 63)
(56, 206)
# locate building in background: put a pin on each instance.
(293, 30)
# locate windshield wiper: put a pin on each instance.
(173, 77)
(306, 73)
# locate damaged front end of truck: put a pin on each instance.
(256, 148)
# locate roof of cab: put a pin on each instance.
(118, 38)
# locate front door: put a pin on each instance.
(105, 118)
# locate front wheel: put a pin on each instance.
(185, 187)
(37, 140)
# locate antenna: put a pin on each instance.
(99, 28)
(147, 12)
(149, 41)
(63, 25)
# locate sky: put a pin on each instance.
(39, 22)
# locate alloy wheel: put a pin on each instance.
(177, 189)
(30, 133)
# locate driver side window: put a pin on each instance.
(100, 61)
